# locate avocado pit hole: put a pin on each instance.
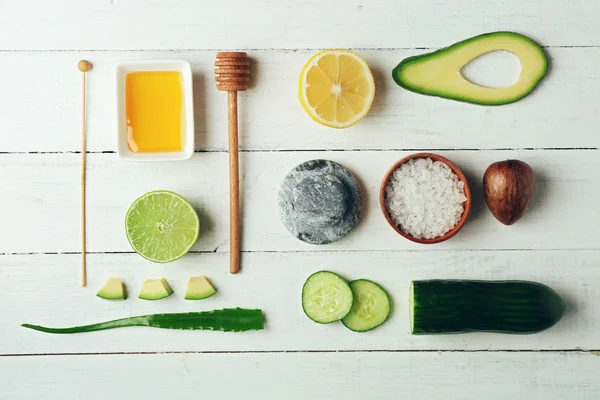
(494, 70)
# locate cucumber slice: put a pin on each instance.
(371, 306)
(113, 289)
(326, 297)
(199, 288)
(155, 289)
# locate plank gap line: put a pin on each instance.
(271, 49)
(223, 352)
(60, 253)
(328, 150)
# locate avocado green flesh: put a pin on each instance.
(155, 289)
(113, 289)
(439, 73)
(199, 288)
(459, 306)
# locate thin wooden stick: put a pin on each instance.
(84, 66)
(234, 188)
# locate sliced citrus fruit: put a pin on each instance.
(162, 226)
(336, 88)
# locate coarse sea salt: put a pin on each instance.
(425, 198)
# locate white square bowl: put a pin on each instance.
(187, 127)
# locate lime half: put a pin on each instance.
(162, 226)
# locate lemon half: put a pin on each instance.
(336, 88)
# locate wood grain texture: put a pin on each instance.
(218, 24)
(234, 184)
(43, 105)
(432, 376)
(42, 289)
(555, 243)
(46, 187)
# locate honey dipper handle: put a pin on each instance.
(234, 182)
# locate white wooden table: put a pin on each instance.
(557, 242)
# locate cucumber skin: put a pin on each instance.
(226, 320)
(460, 306)
(386, 317)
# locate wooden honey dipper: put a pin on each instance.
(232, 73)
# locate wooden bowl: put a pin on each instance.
(466, 204)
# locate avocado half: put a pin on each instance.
(439, 73)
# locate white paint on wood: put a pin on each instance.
(44, 290)
(41, 96)
(39, 210)
(431, 376)
(177, 24)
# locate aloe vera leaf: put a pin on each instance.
(226, 320)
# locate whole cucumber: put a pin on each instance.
(459, 306)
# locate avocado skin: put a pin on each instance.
(397, 70)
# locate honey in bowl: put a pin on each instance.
(154, 111)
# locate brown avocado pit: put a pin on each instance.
(508, 187)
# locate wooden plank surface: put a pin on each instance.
(42, 96)
(46, 187)
(538, 376)
(556, 243)
(42, 289)
(176, 24)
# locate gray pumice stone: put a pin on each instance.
(319, 201)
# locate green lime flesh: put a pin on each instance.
(326, 297)
(162, 226)
(371, 306)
